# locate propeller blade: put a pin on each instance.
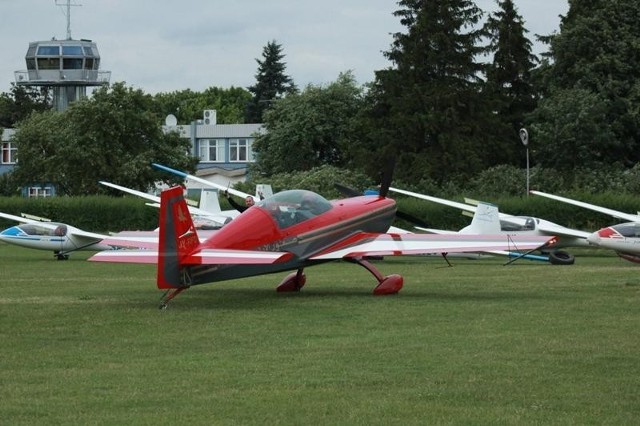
(387, 176)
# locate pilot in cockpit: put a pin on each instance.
(529, 224)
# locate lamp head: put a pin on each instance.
(524, 136)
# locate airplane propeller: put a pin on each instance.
(387, 176)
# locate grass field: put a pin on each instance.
(479, 343)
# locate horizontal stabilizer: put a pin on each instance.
(126, 256)
(235, 257)
(204, 257)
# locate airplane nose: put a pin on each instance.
(604, 233)
(594, 238)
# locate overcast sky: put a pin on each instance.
(163, 46)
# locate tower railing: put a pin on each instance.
(64, 77)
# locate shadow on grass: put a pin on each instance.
(249, 299)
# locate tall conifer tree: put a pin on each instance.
(428, 107)
(508, 76)
(590, 115)
(271, 82)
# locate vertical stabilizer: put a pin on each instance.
(486, 220)
(209, 200)
(177, 239)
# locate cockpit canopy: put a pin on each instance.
(289, 208)
(518, 223)
(628, 230)
(57, 230)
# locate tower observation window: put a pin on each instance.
(72, 50)
(49, 50)
(48, 63)
(72, 63)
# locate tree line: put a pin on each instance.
(460, 85)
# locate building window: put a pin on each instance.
(48, 63)
(212, 150)
(240, 150)
(49, 50)
(38, 191)
(72, 63)
(72, 50)
(9, 153)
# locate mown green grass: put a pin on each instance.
(479, 343)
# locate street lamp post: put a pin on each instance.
(524, 137)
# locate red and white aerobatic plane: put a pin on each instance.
(288, 232)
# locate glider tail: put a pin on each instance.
(177, 239)
(486, 220)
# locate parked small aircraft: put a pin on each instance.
(290, 231)
(517, 225)
(486, 221)
(623, 238)
(42, 234)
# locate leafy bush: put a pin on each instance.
(92, 213)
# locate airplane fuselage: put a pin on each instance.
(623, 238)
(258, 228)
(38, 238)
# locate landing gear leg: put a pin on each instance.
(391, 284)
(61, 256)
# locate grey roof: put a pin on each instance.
(218, 130)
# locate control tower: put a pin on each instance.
(68, 67)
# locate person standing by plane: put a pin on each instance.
(248, 202)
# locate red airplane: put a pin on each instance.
(288, 232)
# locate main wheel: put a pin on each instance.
(561, 257)
(390, 285)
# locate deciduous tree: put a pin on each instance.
(309, 129)
(111, 136)
(20, 102)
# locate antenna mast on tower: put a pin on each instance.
(68, 15)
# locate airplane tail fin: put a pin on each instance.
(209, 200)
(486, 220)
(177, 239)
